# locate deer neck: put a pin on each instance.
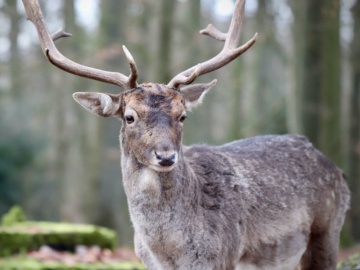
(158, 187)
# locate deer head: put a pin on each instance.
(152, 114)
(153, 117)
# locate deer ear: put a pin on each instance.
(101, 104)
(195, 93)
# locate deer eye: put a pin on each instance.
(182, 118)
(129, 119)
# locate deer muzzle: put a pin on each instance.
(163, 157)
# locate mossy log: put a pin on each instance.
(26, 236)
(24, 263)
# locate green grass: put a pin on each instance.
(24, 263)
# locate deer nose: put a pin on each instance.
(165, 159)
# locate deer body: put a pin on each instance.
(268, 202)
(258, 203)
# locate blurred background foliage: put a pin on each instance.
(62, 164)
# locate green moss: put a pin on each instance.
(25, 236)
(23, 263)
(15, 215)
(352, 263)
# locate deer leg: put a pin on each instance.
(322, 251)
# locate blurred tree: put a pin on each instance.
(15, 65)
(77, 165)
(61, 138)
(297, 75)
(311, 75)
(354, 155)
(112, 201)
(16, 154)
(17, 151)
(190, 49)
(330, 89)
(265, 113)
(236, 87)
(164, 50)
(320, 77)
(317, 76)
(193, 22)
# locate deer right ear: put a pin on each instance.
(195, 93)
(101, 104)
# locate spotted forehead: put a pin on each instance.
(154, 97)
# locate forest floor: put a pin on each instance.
(83, 254)
(346, 253)
(95, 254)
(127, 254)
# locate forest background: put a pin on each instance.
(62, 164)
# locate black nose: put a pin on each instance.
(165, 160)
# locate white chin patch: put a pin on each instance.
(159, 168)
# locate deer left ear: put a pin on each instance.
(101, 104)
(195, 93)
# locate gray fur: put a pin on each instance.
(241, 201)
(268, 202)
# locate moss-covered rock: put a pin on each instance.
(26, 236)
(24, 263)
(18, 236)
(352, 263)
(15, 215)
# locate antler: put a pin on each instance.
(229, 52)
(34, 14)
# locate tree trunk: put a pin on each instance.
(15, 66)
(311, 80)
(70, 163)
(265, 99)
(330, 91)
(112, 200)
(164, 51)
(354, 155)
(318, 77)
(294, 94)
(321, 77)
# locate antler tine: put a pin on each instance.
(134, 73)
(211, 31)
(34, 14)
(229, 52)
(60, 34)
(183, 80)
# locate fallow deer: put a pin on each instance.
(268, 202)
